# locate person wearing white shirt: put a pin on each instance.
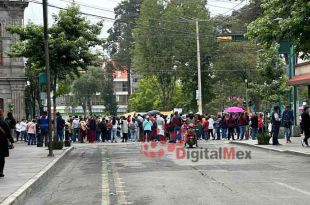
(23, 130)
(17, 130)
(210, 127)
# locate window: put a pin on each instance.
(122, 99)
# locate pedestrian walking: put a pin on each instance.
(6, 140)
(205, 128)
(305, 123)
(224, 126)
(103, 129)
(276, 123)
(261, 123)
(242, 122)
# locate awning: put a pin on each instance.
(297, 80)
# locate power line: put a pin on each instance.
(233, 8)
(83, 13)
(88, 6)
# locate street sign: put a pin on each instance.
(42, 78)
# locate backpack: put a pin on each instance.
(132, 126)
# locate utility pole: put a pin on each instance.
(199, 69)
(48, 76)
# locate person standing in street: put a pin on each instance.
(287, 121)
(242, 122)
(5, 139)
(124, 128)
(177, 123)
(32, 131)
(103, 129)
(210, 127)
(114, 130)
(254, 126)
(23, 130)
(60, 127)
(231, 127)
(305, 124)
(18, 130)
(147, 128)
(91, 132)
(83, 130)
(76, 129)
(133, 126)
(10, 120)
(43, 124)
(276, 123)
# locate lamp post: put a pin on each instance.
(48, 83)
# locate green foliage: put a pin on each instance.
(146, 96)
(283, 20)
(71, 40)
(57, 145)
(271, 84)
(107, 91)
(85, 87)
(263, 138)
(165, 45)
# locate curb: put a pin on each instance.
(274, 150)
(18, 197)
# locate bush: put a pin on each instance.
(58, 145)
(263, 138)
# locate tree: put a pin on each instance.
(146, 96)
(71, 40)
(120, 41)
(283, 20)
(85, 87)
(107, 91)
(271, 84)
(165, 46)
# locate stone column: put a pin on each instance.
(18, 99)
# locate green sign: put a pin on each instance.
(42, 78)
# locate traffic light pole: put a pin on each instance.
(199, 69)
(48, 84)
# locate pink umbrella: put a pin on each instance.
(234, 110)
(301, 108)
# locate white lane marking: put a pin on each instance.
(294, 188)
(105, 182)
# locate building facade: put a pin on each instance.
(12, 72)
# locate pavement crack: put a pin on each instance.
(204, 174)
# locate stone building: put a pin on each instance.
(12, 73)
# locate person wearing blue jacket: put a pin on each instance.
(287, 122)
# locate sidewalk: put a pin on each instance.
(292, 148)
(23, 168)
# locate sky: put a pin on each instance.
(33, 12)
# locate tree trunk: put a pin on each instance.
(54, 107)
(89, 103)
(84, 108)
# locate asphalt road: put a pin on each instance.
(120, 174)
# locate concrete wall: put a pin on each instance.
(12, 73)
